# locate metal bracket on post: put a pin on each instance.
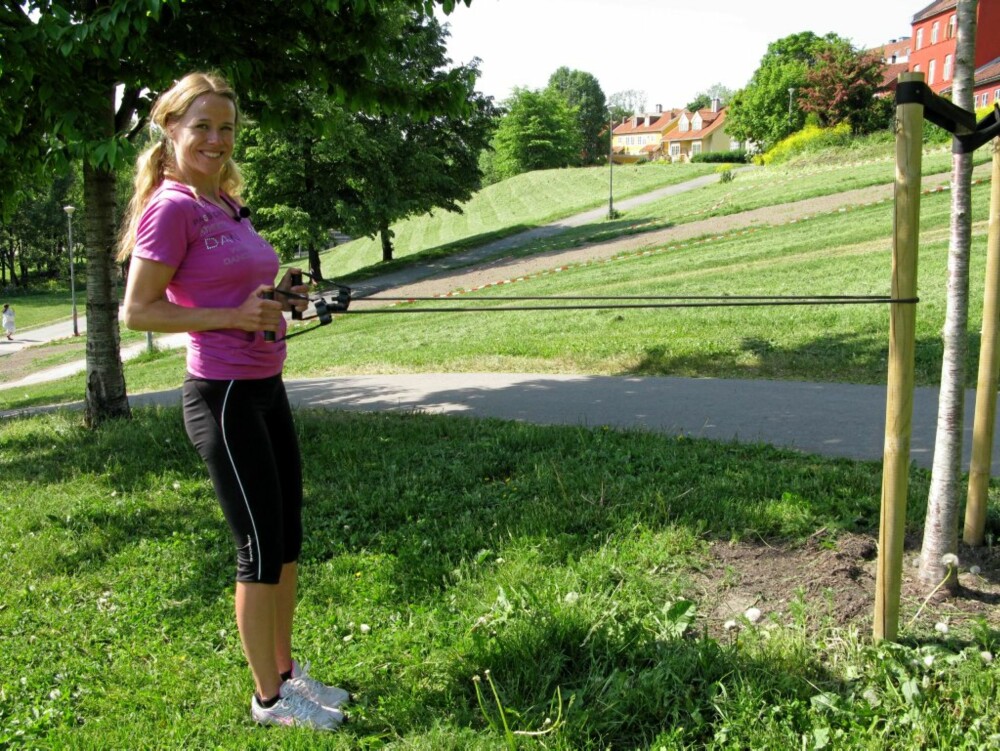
(969, 135)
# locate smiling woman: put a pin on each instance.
(196, 266)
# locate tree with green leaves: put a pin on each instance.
(765, 110)
(582, 91)
(538, 131)
(296, 178)
(840, 88)
(79, 79)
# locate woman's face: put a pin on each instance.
(203, 139)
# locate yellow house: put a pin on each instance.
(642, 136)
(698, 132)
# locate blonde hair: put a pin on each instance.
(157, 162)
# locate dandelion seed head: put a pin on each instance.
(729, 625)
(753, 614)
(365, 628)
(975, 570)
(349, 637)
(928, 660)
(941, 628)
(571, 597)
(986, 656)
(949, 559)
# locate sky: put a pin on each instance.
(671, 49)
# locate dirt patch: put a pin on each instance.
(827, 581)
(29, 360)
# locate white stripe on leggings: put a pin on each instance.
(246, 501)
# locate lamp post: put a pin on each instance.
(791, 94)
(72, 276)
(611, 164)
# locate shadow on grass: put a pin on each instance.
(843, 357)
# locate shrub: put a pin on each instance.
(735, 156)
(810, 139)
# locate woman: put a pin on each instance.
(198, 266)
(8, 321)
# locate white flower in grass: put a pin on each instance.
(730, 625)
(55, 694)
(753, 614)
(571, 598)
(928, 660)
(949, 559)
(348, 638)
(177, 486)
(365, 628)
(986, 656)
(941, 628)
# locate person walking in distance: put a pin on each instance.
(197, 265)
(8, 321)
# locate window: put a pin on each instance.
(996, 95)
(946, 73)
(675, 149)
(696, 147)
(931, 67)
(950, 32)
(934, 32)
(920, 38)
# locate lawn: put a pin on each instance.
(483, 584)
(565, 568)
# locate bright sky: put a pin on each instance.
(671, 49)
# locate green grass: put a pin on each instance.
(517, 204)
(562, 567)
(561, 564)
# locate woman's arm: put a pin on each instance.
(146, 307)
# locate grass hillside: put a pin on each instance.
(517, 204)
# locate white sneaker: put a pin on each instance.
(301, 683)
(295, 709)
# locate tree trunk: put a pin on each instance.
(941, 522)
(315, 268)
(386, 234)
(106, 397)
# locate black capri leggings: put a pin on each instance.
(244, 432)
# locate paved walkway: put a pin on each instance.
(836, 420)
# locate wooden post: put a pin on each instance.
(902, 340)
(989, 365)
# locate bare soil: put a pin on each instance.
(835, 578)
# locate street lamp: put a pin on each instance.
(791, 93)
(611, 164)
(72, 276)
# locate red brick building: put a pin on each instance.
(932, 46)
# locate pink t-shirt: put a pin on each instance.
(218, 261)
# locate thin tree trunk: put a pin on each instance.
(941, 522)
(386, 234)
(106, 397)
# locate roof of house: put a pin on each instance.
(657, 123)
(985, 74)
(891, 73)
(711, 121)
(939, 6)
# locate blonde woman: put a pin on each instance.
(197, 265)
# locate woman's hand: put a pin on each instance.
(257, 313)
(293, 303)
